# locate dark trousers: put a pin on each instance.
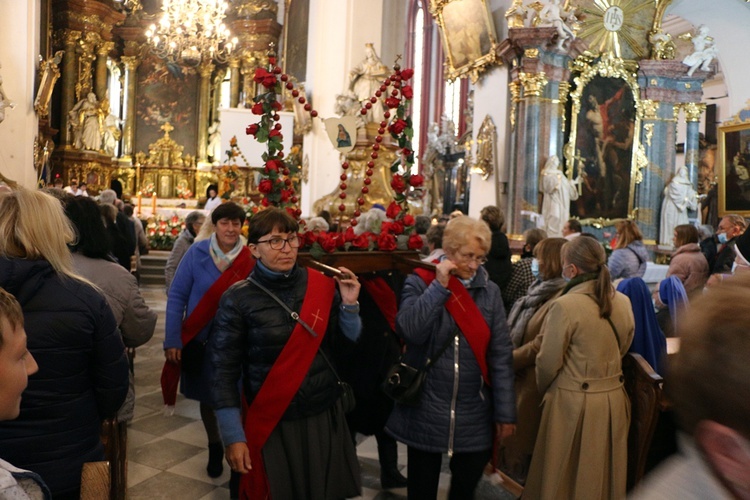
(423, 471)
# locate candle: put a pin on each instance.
(153, 204)
(138, 209)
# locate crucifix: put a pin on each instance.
(457, 301)
(317, 317)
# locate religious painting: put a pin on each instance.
(342, 132)
(166, 93)
(734, 171)
(469, 37)
(603, 150)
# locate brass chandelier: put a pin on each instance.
(191, 30)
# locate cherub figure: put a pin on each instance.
(553, 14)
(704, 51)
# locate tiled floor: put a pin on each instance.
(168, 455)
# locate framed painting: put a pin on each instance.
(734, 169)
(603, 148)
(468, 34)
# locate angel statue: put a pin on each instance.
(704, 51)
(553, 14)
(365, 79)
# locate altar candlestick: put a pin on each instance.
(153, 204)
(138, 209)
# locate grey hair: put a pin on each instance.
(193, 217)
(108, 196)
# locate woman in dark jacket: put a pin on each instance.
(72, 334)
(498, 263)
(459, 309)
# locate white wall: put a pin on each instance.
(19, 49)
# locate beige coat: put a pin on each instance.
(516, 449)
(581, 447)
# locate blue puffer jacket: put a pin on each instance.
(425, 325)
(82, 377)
(628, 262)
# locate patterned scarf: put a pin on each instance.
(223, 260)
(525, 307)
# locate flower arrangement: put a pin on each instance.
(184, 192)
(162, 232)
(148, 190)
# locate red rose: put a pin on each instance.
(394, 208)
(385, 227)
(274, 165)
(407, 73)
(398, 184)
(386, 242)
(252, 129)
(276, 105)
(397, 227)
(397, 126)
(392, 102)
(175, 231)
(408, 220)
(308, 238)
(276, 133)
(407, 92)
(349, 234)
(415, 242)
(362, 241)
(265, 186)
(327, 241)
(257, 108)
(285, 195)
(265, 201)
(416, 180)
(291, 211)
(264, 77)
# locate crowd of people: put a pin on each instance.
(519, 364)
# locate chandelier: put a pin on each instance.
(190, 30)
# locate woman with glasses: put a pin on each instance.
(455, 315)
(581, 449)
(208, 268)
(276, 332)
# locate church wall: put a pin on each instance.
(19, 50)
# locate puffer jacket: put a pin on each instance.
(690, 265)
(249, 332)
(82, 377)
(425, 325)
(628, 262)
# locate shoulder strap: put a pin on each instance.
(431, 360)
(640, 261)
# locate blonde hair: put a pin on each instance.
(627, 233)
(588, 256)
(33, 226)
(458, 231)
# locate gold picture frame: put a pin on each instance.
(468, 34)
(604, 141)
(734, 169)
(49, 74)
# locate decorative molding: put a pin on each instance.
(693, 111)
(648, 109)
(533, 83)
(485, 152)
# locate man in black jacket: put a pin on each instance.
(730, 227)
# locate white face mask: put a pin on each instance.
(535, 268)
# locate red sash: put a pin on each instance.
(467, 316)
(384, 297)
(284, 380)
(203, 313)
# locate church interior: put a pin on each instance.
(598, 111)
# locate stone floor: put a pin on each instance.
(168, 455)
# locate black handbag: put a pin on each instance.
(192, 356)
(403, 384)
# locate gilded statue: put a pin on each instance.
(662, 46)
(518, 15)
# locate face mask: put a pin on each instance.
(535, 268)
(722, 238)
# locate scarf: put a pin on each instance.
(223, 260)
(581, 278)
(525, 307)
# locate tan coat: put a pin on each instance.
(516, 450)
(581, 447)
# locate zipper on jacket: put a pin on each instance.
(454, 397)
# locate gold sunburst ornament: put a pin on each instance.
(607, 24)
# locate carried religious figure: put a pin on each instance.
(558, 192)
(679, 196)
(365, 79)
(4, 101)
(553, 14)
(704, 51)
(213, 150)
(86, 122)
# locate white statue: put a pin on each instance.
(704, 51)
(112, 131)
(213, 150)
(347, 104)
(553, 14)
(4, 101)
(86, 121)
(679, 196)
(558, 192)
(365, 79)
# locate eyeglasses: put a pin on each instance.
(277, 243)
(471, 257)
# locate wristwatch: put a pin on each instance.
(350, 308)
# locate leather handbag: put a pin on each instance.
(192, 356)
(404, 383)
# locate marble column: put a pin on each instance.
(204, 101)
(128, 135)
(693, 112)
(68, 83)
(100, 77)
(234, 82)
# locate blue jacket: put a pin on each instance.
(425, 325)
(628, 262)
(82, 377)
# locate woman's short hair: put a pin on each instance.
(265, 221)
(435, 235)
(548, 253)
(459, 231)
(228, 210)
(209, 188)
(532, 237)
(493, 216)
(422, 224)
(317, 224)
(193, 217)
(737, 221)
(686, 233)
(91, 233)
(33, 226)
(627, 233)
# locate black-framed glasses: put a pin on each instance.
(277, 242)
